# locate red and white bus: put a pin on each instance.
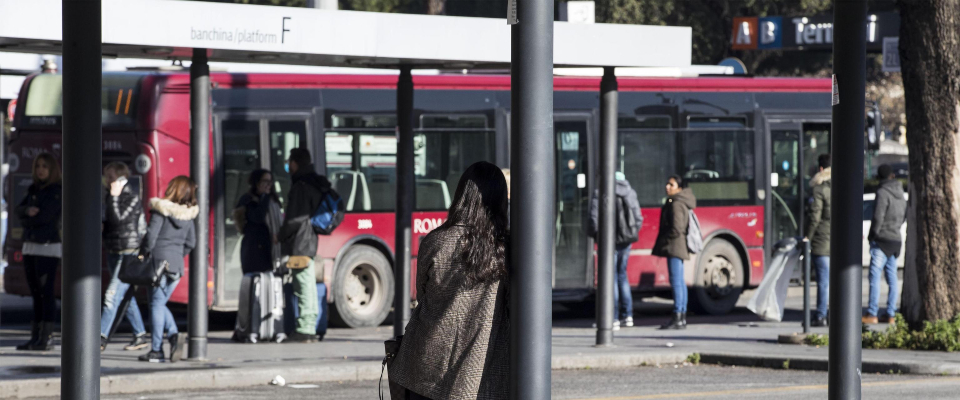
(734, 139)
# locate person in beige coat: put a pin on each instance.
(457, 343)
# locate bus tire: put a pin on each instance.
(364, 286)
(718, 280)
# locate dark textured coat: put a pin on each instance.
(296, 236)
(121, 229)
(890, 212)
(672, 236)
(171, 235)
(457, 343)
(45, 226)
(818, 214)
(255, 249)
(623, 191)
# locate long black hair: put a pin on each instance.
(480, 205)
(254, 180)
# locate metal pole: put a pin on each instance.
(806, 286)
(533, 210)
(405, 200)
(849, 64)
(606, 309)
(200, 169)
(80, 362)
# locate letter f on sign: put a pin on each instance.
(283, 34)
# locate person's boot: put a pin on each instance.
(683, 320)
(675, 323)
(34, 336)
(45, 340)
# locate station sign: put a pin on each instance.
(806, 33)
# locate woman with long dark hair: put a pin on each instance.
(170, 237)
(39, 214)
(457, 343)
(259, 209)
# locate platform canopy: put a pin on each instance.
(169, 29)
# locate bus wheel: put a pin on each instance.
(364, 286)
(719, 279)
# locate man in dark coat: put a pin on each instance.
(818, 232)
(299, 242)
(889, 214)
(672, 244)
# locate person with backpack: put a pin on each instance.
(818, 232)
(298, 240)
(627, 231)
(672, 244)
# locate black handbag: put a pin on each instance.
(141, 270)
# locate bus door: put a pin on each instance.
(574, 255)
(246, 142)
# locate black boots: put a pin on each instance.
(34, 336)
(41, 337)
(679, 321)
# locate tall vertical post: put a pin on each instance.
(80, 360)
(533, 209)
(806, 285)
(200, 169)
(405, 200)
(606, 309)
(849, 65)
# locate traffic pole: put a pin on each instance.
(405, 200)
(82, 161)
(606, 309)
(849, 65)
(200, 169)
(806, 286)
(533, 209)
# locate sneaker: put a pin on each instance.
(176, 342)
(138, 342)
(870, 320)
(298, 337)
(628, 322)
(103, 343)
(616, 324)
(819, 322)
(889, 320)
(152, 356)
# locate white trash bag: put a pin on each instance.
(771, 296)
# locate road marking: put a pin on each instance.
(769, 390)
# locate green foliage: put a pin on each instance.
(817, 340)
(694, 358)
(786, 364)
(943, 335)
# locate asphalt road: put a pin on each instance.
(664, 382)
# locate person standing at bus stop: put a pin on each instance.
(889, 214)
(40, 213)
(299, 242)
(121, 238)
(628, 222)
(672, 243)
(818, 232)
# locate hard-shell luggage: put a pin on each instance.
(771, 296)
(260, 317)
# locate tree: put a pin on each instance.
(930, 64)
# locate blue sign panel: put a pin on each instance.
(771, 33)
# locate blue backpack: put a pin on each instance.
(329, 213)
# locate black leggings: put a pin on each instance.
(41, 273)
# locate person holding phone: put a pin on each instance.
(123, 227)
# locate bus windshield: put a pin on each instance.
(118, 101)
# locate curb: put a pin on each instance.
(821, 364)
(213, 378)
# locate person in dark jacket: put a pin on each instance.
(39, 214)
(121, 238)
(671, 243)
(298, 241)
(889, 214)
(260, 208)
(170, 237)
(457, 343)
(625, 195)
(818, 232)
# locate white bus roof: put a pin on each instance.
(167, 29)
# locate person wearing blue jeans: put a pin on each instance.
(822, 264)
(622, 297)
(161, 319)
(880, 263)
(671, 244)
(677, 283)
(889, 215)
(112, 299)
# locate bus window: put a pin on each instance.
(648, 158)
(118, 100)
(440, 159)
(284, 136)
(241, 156)
(644, 122)
(719, 166)
(816, 141)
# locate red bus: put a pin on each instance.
(736, 140)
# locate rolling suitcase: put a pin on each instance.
(260, 314)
